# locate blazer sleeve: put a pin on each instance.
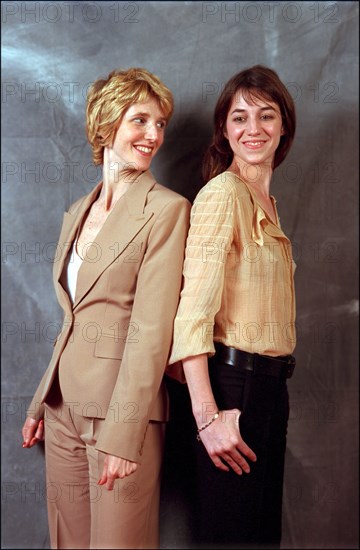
(154, 308)
(36, 408)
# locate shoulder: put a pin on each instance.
(225, 183)
(170, 211)
(161, 196)
(76, 205)
(222, 188)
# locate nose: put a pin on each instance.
(252, 127)
(151, 131)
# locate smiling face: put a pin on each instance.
(253, 129)
(139, 136)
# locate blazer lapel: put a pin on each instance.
(121, 227)
(71, 222)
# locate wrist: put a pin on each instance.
(212, 419)
(203, 412)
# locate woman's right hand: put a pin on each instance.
(224, 444)
(32, 431)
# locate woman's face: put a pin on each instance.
(139, 136)
(253, 129)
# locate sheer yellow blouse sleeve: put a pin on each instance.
(208, 243)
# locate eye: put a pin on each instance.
(161, 124)
(239, 119)
(267, 117)
(140, 120)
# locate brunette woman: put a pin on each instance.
(234, 329)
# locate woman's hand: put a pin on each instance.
(222, 438)
(224, 444)
(32, 431)
(116, 467)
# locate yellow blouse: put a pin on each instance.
(238, 276)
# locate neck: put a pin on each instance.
(117, 179)
(257, 176)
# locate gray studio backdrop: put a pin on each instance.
(51, 52)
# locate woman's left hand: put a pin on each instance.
(116, 467)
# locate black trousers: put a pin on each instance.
(245, 511)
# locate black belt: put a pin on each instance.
(272, 366)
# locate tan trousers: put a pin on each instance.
(83, 514)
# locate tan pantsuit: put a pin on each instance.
(83, 514)
(108, 365)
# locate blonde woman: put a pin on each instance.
(102, 403)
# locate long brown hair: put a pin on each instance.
(257, 82)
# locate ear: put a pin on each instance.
(282, 131)
(226, 134)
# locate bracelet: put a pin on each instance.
(207, 425)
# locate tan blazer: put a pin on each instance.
(114, 344)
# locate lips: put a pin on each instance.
(254, 144)
(144, 149)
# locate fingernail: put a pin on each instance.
(24, 444)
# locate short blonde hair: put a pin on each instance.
(108, 100)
